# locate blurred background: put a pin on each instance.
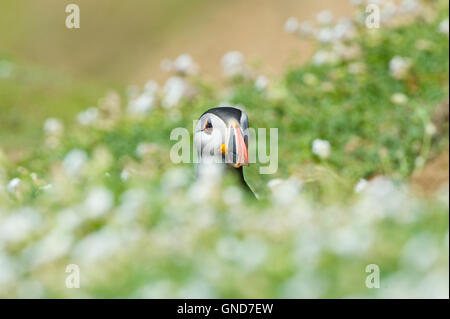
(363, 149)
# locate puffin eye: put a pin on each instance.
(208, 127)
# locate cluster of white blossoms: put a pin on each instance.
(104, 235)
(336, 35)
(443, 26)
(361, 185)
(6, 69)
(292, 25)
(261, 82)
(174, 90)
(53, 126)
(322, 57)
(170, 95)
(391, 9)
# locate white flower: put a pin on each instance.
(261, 82)
(291, 25)
(307, 29)
(383, 199)
(99, 201)
(30, 288)
(13, 185)
(325, 35)
(151, 87)
(100, 245)
(232, 195)
(19, 225)
(362, 184)
(347, 52)
(88, 116)
(357, 2)
(8, 273)
(423, 45)
(419, 162)
(310, 79)
(144, 148)
(344, 29)
(420, 251)
(74, 161)
(443, 26)
(204, 187)
(184, 64)
(132, 91)
(327, 86)
(47, 187)
(175, 115)
(142, 104)
(52, 246)
(388, 11)
(399, 67)
(166, 65)
(174, 90)
(233, 63)
(409, 6)
(174, 178)
(157, 290)
(356, 68)
(325, 17)
(125, 175)
(399, 98)
(53, 126)
(321, 148)
(274, 183)
(322, 57)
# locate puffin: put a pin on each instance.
(221, 139)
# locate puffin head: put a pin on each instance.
(221, 136)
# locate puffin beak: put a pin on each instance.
(237, 148)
